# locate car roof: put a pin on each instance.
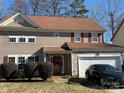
(100, 65)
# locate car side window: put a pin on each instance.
(95, 70)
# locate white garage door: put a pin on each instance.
(84, 63)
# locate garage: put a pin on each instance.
(84, 63)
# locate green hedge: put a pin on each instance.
(9, 70)
(30, 68)
(45, 70)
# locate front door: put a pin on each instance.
(57, 63)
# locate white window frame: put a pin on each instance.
(11, 57)
(16, 37)
(77, 35)
(94, 35)
(34, 37)
(26, 39)
(21, 55)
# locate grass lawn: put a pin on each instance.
(58, 86)
(45, 87)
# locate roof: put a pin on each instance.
(94, 47)
(122, 22)
(64, 23)
(54, 50)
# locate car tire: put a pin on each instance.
(102, 82)
(116, 84)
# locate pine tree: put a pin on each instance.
(77, 9)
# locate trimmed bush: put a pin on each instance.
(45, 70)
(9, 70)
(30, 68)
(0, 72)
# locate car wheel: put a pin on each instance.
(102, 82)
(115, 84)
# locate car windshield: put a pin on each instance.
(107, 68)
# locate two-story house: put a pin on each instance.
(71, 44)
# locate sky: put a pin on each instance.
(88, 3)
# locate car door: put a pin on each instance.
(95, 73)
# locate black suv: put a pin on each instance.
(106, 75)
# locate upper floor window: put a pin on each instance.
(31, 59)
(86, 37)
(77, 37)
(12, 59)
(31, 39)
(12, 39)
(22, 39)
(94, 37)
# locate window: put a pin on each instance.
(94, 37)
(31, 39)
(56, 34)
(12, 59)
(31, 59)
(12, 39)
(77, 37)
(22, 39)
(21, 61)
(86, 35)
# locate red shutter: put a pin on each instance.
(5, 59)
(102, 38)
(99, 37)
(36, 58)
(89, 37)
(82, 37)
(72, 37)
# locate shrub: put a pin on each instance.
(45, 70)
(0, 72)
(30, 68)
(9, 70)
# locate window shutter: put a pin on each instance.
(82, 37)
(5, 59)
(72, 37)
(89, 37)
(36, 58)
(99, 37)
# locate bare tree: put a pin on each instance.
(35, 6)
(109, 14)
(1, 10)
(53, 7)
(113, 13)
(19, 6)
